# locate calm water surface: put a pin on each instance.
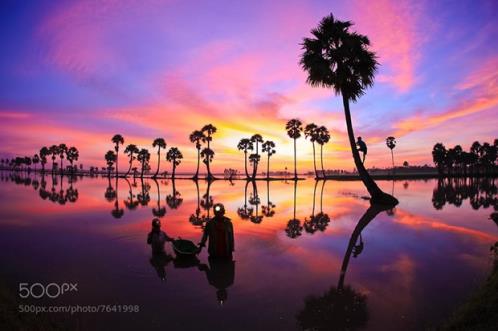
(406, 268)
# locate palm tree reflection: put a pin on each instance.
(294, 228)
(174, 199)
(245, 212)
(158, 211)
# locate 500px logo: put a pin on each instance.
(52, 290)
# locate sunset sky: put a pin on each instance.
(80, 71)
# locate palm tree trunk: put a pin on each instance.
(158, 161)
(129, 168)
(174, 169)
(198, 163)
(392, 158)
(207, 162)
(255, 164)
(142, 171)
(268, 167)
(314, 159)
(314, 195)
(245, 163)
(117, 158)
(295, 162)
(321, 160)
(377, 195)
(295, 191)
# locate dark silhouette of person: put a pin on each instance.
(362, 147)
(219, 231)
(159, 261)
(156, 237)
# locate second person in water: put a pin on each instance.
(219, 231)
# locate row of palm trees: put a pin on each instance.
(174, 156)
(250, 144)
(61, 151)
(479, 160)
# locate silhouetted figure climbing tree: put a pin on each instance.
(339, 59)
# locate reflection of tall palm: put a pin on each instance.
(256, 140)
(175, 157)
(244, 212)
(159, 143)
(130, 203)
(294, 128)
(110, 193)
(117, 212)
(245, 145)
(208, 131)
(268, 147)
(255, 201)
(159, 211)
(323, 138)
(196, 218)
(117, 139)
(196, 138)
(310, 223)
(337, 58)
(294, 227)
(174, 199)
(144, 197)
(131, 150)
(110, 158)
(207, 200)
(341, 307)
(311, 132)
(268, 210)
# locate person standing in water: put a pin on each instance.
(362, 147)
(156, 237)
(219, 231)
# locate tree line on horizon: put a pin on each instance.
(479, 160)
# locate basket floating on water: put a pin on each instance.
(184, 247)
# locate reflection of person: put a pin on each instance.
(159, 261)
(219, 231)
(157, 237)
(221, 275)
(362, 147)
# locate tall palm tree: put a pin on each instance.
(245, 145)
(256, 139)
(268, 147)
(311, 132)
(439, 156)
(208, 131)
(196, 138)
(62, 152)
(294, 129)
(323, 138)
(117, 139)
(391, 143)
(44, 152)
(475, 150)
(54, 150)
(160, 143)
(339, 59)
(143, 157)
(175, 157)
(207, 155)
(110, 158)
(72, 155)
(130, 150)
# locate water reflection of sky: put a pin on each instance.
(417, 263)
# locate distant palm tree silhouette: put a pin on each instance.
(117, 139)
(62, 152)
(337, 58)
(131, 150)
(44, 152)
(256, 140)
(439, 156)
(245, 145)
(294, 129)
(72, 155)
(160, 143)
(311, 132)
(208, 131)
(268, 147)
(54, 150)
(196, 138)
(323, 138)
(110, 158)
(391, 143)
(175, 157)
(143, 157)
(35, 160)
